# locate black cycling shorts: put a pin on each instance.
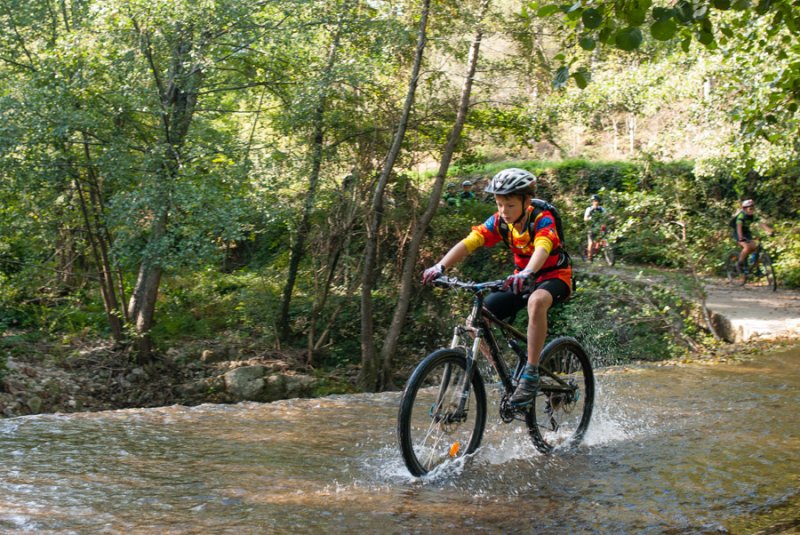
(506, 304)
(747, 236)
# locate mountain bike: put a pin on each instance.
(601, 246)
(443, 407)
(758, 269)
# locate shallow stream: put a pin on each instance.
(671, 449)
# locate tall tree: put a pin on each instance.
(113, 112)
(410, 273)
(317, 145)
(368, 376)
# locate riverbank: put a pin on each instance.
(102, 379)
(47, 376)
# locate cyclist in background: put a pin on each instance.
(542, 274)
(466, 191)
(451, 197)
(594, 217)
(740, 224)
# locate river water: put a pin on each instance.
(671, 449)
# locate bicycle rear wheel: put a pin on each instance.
(562, 409)
(734, 274)
(608, 252)
(432, 429)
(769, 271)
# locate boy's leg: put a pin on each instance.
(505, 305)
(540, 301)
(538, 304)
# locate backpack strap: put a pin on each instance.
(539, 206)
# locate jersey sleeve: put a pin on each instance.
(546, 235)
(487, 234)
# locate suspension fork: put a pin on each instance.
(471, 368)
(458, 334)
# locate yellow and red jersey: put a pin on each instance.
(543, 225)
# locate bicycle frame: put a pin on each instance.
(478, 325)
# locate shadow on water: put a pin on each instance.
(683, 449)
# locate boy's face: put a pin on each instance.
(510, 207)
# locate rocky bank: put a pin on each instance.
(41, 378)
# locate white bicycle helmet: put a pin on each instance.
(511, 180)
(747, 203)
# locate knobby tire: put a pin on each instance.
(769, 271)
(558, 418)
(430, 430)
(608, 252)
(734, 274)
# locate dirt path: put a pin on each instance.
(740, 313)
(744, 313)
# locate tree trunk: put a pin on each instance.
(336, 240)
(178, 100)
(142, 305)
(104, 270)
(631, 133)
(410, 263)
(368, 376)
(317, 146)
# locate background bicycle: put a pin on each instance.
(443, 408)
(602, 248)
(758, 269)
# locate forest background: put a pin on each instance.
(265, 178)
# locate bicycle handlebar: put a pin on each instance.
(451, 282)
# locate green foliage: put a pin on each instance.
(750, 52)
(785, 248)
(620, 321)
(200, 304)
(90, 147)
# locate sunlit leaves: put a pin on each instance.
(586, 42)
(548, 10)
(581, 77)
(562, 77)
(592, 18)
(663, 30)
(628, 38)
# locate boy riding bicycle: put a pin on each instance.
(542, 275)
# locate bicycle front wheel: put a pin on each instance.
(562, 409)
(434, 426)
(769, 271)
